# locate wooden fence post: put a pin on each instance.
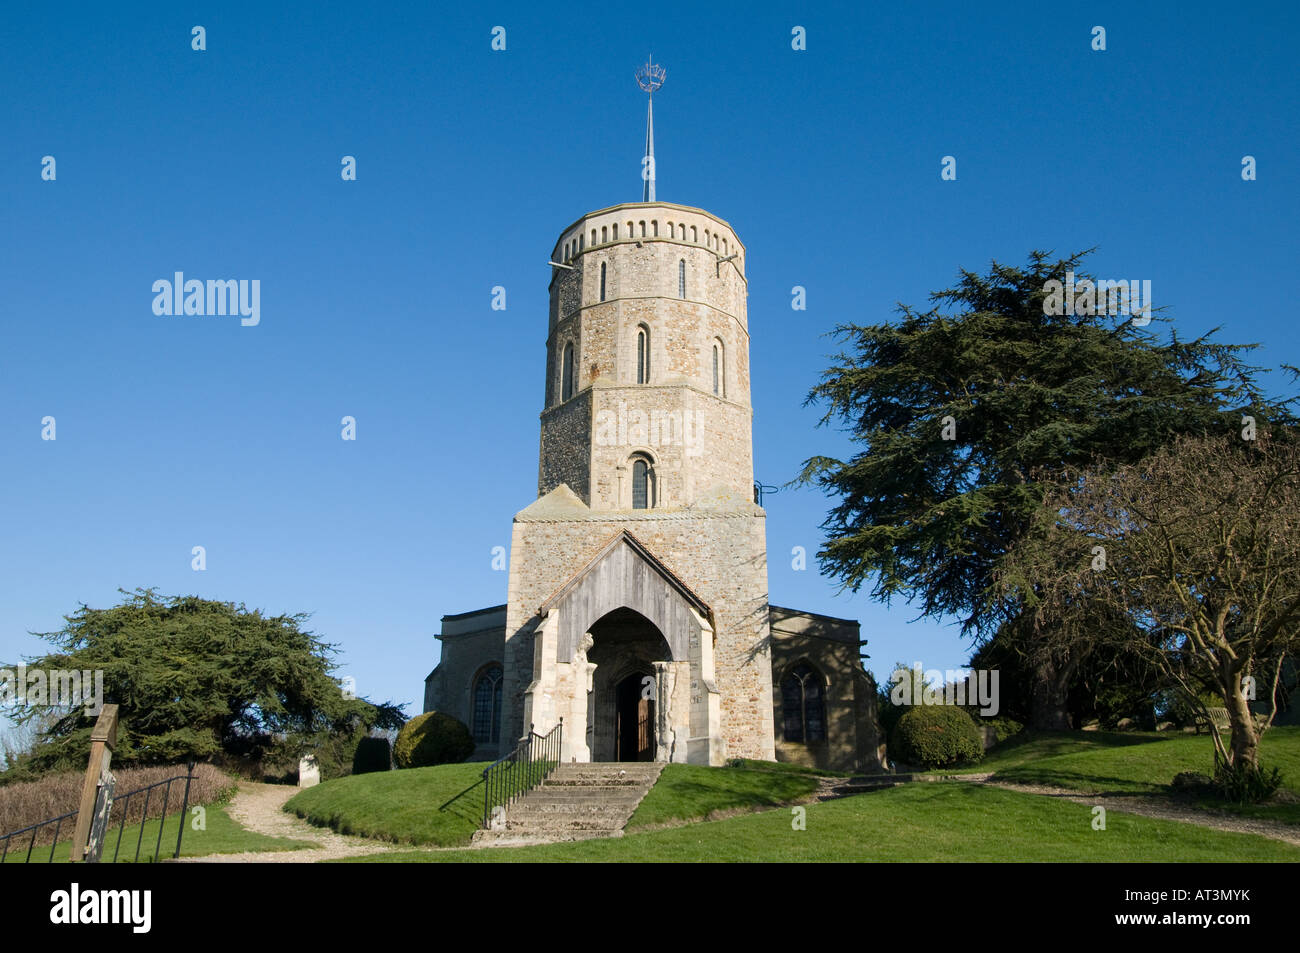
(103, 739)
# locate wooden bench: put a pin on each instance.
(1217, 718)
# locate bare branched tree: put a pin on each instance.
(1198, 547)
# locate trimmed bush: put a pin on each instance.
(935, 736)
(372, 754)
(432, 738)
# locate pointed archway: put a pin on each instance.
(625, 613)
(622, 714)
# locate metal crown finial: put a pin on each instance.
(651, 76)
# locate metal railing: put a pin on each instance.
(147, 791)
(31, 844)
(123, 802)
(521, 770)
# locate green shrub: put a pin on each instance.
(1004, 727)
(432, 738)
(1243, 783)
(372, 754)
(934, 736)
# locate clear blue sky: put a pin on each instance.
(182, 431)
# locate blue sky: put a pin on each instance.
(174, 431)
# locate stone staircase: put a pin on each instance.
(577, 802)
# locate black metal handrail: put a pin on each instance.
(147, 791)
(124, 801)
(521, 770)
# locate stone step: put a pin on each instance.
(564, 823)
(576, 770)
(576, 801)
(542, 811)
(596, 784)
(584, 795)
(517, 839)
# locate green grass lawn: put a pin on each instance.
(403, 806)
(1136, 763)
(688, 791)
(915, 822)
(222, 836)
(400, 806)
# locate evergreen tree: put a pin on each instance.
(954, 411)
(199, 679)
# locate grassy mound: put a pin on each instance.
(1139, 763)
(915, 822)
(689, 792)
(405, 807)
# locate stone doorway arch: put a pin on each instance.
(625, 612)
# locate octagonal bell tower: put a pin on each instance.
(647, 374)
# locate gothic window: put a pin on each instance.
(642, 354)
(566, 374)
(719, 369)
(803, 707)
(643, 484)
(487, 705)
(681, 278)
(602, 281)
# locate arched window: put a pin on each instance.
(616, 231)
(803, 707)
(642, 354)
(487, 705)
(643, 484)
(681, 278)
(566, 374)
(724, 246)
(654, 226)
(604, 233)
(670, 230)
(695, 235)
(593, 236)
(602, 281)
(719, 368)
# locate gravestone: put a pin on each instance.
(308, 772)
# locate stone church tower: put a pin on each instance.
(642, 567)
(637, 610)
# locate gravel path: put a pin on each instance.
(260, 808)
